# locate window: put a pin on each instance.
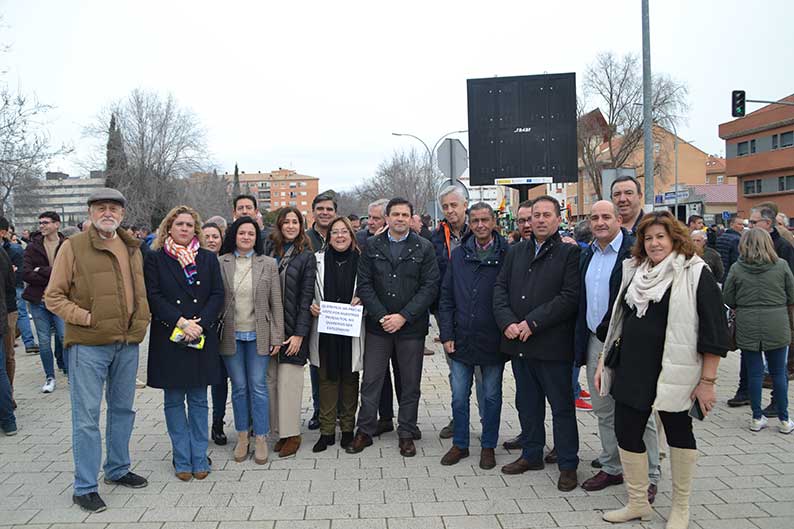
(708, 179)
(720, 179)
(283, 203)
(283, 193)
(303, 193)
(293, 203)
(752, 146)
(742, 149)
(774, 141)
(303, 203)
(751, 187)
(292, 194)
(302, 184)
(266, 205)
(787, 139)
(785, 183)
(657, 148)
(264, 194)
(293, 184)
(261, 185)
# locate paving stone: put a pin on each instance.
(505, 506)
(525, 521)
(442, 508)
(371, 523)
(173, 514)
(289, 512)
(416, 523)
(322, 512)
(471, 522)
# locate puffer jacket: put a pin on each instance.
(297, 293)
(760, 293)
(728, 247)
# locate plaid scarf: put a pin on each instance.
(184, 255)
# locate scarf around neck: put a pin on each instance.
(184, 255)
(339, 280)
(649, 284)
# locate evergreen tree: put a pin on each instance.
(236, 182)
(116, 160)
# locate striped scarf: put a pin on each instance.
(184, 255)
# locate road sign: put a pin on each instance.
(452, 158)
(726, 215)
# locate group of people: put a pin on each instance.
(242, 303)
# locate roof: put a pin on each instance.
(717, 193)
(280, 174)
(715, 165)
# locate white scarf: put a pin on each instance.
(651, 283)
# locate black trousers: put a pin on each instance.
(386, 406)
(630, 427)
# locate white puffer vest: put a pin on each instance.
(681, 363)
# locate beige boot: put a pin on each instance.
(635, 475)
(682, 463)
(241, 450)
(260, 449)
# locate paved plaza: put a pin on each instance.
(744, 480)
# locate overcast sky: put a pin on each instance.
(319, 86)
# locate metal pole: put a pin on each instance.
(646, 105)
(675, 148)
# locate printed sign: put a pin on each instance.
(340, 318)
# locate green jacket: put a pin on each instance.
(760, 293)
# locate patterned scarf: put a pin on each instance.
(184, 255)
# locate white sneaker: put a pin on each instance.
(787, 426)
(49, 386)
(756, 425)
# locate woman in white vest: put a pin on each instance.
(666, 336)
(339, 358)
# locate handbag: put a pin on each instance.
(612, 359)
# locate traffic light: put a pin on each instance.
(737, 103)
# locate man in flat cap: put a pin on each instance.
(97, 287)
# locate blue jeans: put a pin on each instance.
(536, 381)
(23, 320)
(776, 359)
(8, 421)
(577, 387)
(462, 378)
(188, 432)
(247, 371)
(45, 321)
(92, 367)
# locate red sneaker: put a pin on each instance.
(583, 405)
(584, 395)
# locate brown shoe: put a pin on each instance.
(279, 444)
(407, 448)
(241, 449)
(551, 457)
(568, 480)
(260, 449)
(601, 481)
(454, 455)
(201, 475)
(513, 444)
(360, 442)
(521, 465)
(184, 476)
(291, 445)
(487, 459)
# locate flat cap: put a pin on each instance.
(107, 194)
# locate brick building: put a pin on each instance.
(759, 151)
(280, 188)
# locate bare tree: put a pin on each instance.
(405, 175)
(162, 143)
(207, 192)
(614, 85)
(24, 145)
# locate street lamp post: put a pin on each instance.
(431, 168)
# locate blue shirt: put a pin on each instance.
(596, 280)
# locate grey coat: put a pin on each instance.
(268, 308)
(760, 294)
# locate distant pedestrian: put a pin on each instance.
(710, 255)
(38, 261)
(8, 422)
(728, 244)
(760, 286)
(97, 287)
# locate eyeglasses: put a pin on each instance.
(44, 222)
(754, 222)
(523, 221)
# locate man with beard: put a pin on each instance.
(97, 287)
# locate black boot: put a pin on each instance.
(314, 422)
(347, 438)
(218, 437)
(324, 442)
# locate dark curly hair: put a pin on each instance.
(682, 241)
(230, 239)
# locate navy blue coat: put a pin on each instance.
(172, 365)
(582, 332)
(465, 312)
(728, 246)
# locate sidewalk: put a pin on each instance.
(742, 480)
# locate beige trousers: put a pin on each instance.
(285, 388)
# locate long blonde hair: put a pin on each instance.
(756, 247)
(165, 226)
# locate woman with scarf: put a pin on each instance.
(290, 247)
(338, 358)
(666, 336)
(185, 293)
